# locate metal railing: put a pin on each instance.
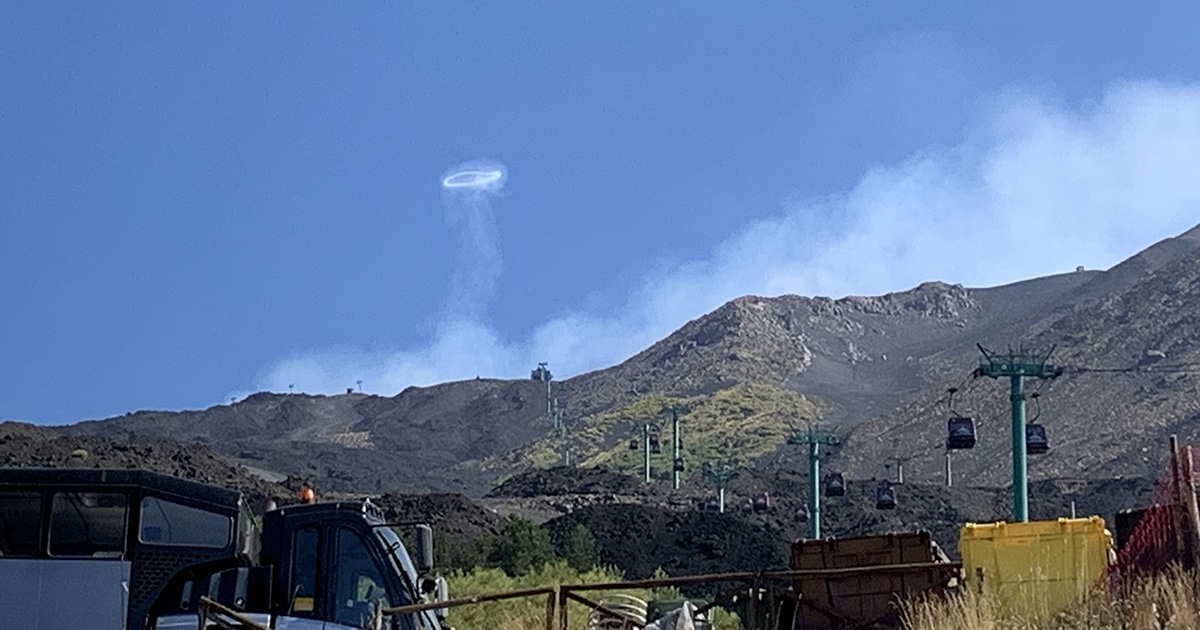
(221, 616)
(758, 589)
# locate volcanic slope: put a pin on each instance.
(655, 531)
(355, 442)
(28, 445)
(1131, 377)
(875, 360)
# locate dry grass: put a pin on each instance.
(530, 613)
(1165, 601)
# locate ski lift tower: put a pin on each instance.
(542, 374)
(676, 443)
(1018, 365)
(720, 475)
(814, 437)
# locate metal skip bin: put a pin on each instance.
(1035, 569)
(859, 582)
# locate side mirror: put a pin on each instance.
(424, 549)
(443, 595)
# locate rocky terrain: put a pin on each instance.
(657, 527)
(744, 379)
(1131, 377)
(875, 369)
(28, 445)
(638, 527)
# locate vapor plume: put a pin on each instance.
(467, 193)
(1037, 187)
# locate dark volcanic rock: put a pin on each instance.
(875, 367)
(639, 539)
(27, 445)
(563, 480)
(452, 514)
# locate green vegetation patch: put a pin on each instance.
(738, 423)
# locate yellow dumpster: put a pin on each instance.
(1038, 568)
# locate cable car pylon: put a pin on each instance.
(1017, 366)
(676, 443)
(814, 437)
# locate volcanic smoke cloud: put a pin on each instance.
(1037, 186)
(467, 193)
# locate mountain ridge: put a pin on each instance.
(867, 363)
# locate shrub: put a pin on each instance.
(521, 547)
(580, 549)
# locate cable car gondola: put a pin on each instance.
(885, 497)
(960, 433)
(835, 485)
(655, 447)
(633, 444)
(677, 466)
(1036, 441)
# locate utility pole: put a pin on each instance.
(900, 466)
(814, 437)
(720, 475)
(1018, 366)
(646, 449)
(566, 446)
(676, 441)
(949, 474)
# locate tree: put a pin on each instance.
(580, 549)
(457, 553)
(521, 547)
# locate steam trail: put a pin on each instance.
(1049, 185)
(467, 193)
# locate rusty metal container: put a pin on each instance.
(859, 582)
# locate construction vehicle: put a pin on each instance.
(96, 548)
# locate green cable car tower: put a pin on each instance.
(814, 437)
(1017, 366)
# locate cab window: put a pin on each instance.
(359, 583)
(169, 523)
(88, 524)
(304, 573)
(20, 523)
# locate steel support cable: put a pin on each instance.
(943, 397)
(1186, 367)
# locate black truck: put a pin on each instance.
(97, 548)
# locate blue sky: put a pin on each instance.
(199, 201)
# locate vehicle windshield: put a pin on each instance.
(408, 572)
